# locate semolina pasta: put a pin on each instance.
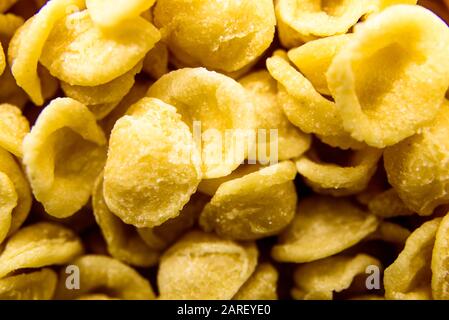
(36, 285)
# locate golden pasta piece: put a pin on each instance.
(103, 95)
(223, 120)
(319, 280)
(2, 59)
(123, 241)
(257, 205)
(390, 232)
(304, 20)
(216, 269)
(37, 285)
(155, 63)
(95, 296)
(12, 169)
(160, 237)
(380, 79)
(76, 49)
(416, 167)
(305, 107)
(387, 204)
(314, 58)
(409, 276)
(113, 13)
(289, 142)
(39, 245)
(8, 201)
(440, 264)
(63, 155)
(262, 285)
(105, 275)
(339, 224)
(13, 129)
(6, 4)
(28, 42)
(329, 178)
(154, 179)
(9, 23)
(219, 35)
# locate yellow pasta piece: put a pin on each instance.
(416, 167)
(39, 245)
(217, 268)
(76, 48)
(219, 35)
(387, 204)
(440, 258)
(257, 205)
(8, 201)
(319, 280)
(160, 237)
(379, 80)
(102, 274)
(339, 224)
(409, 276)
(6, 4)
(390, 232)
(63, 155)
(155, 63)
(304, 20)
(262, 285)
(123, 241)
(13, 128)
(329, 178)
(112, 13)
(314, 58)
(28, 43)
(291, 142)
(37, 285)
(95, 296)
(225, 117)
(12, 169)
(154, 179)
(2, 59)
(305, 107)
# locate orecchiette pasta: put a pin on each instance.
(261, 285)
(36, 285)
(439, 265)
(13, 129)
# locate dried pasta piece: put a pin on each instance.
(379, 80)
(105, 275)
(12, 169)
(39, 245)
(409, 276)
(305, 107)
(155, 63)
(440, 258)
(6, 4)
(113, 13)
(154, 179)
(314, 58)
(225, 117)
(63, 155)
(28, 42)
(290, 142)
(37, 285)
(217, 268)
(323, 226)
(304, 20)
(13, 128)
(123, 241)
(2, 59)
(76, 48)
(8, 201)
(387, 204)
(262, 285)
(219, 35)
(257, 205)
(95, 296)
(390, 232)
(319, 280)
(416, 167)
(329, 178)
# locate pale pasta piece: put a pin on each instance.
(254, 206)
(319, 280)
(323, 226)
(154, 179)
(39, 245)
(13, 128)
(8, 201)
(217, 268)
(409, 276)
(390, 232)
(63, 155)
(36, 285)
(387, 204)
(440, 258)
(262, 285)
(380, 79)
(102, 274)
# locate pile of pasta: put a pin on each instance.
(106, 192)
